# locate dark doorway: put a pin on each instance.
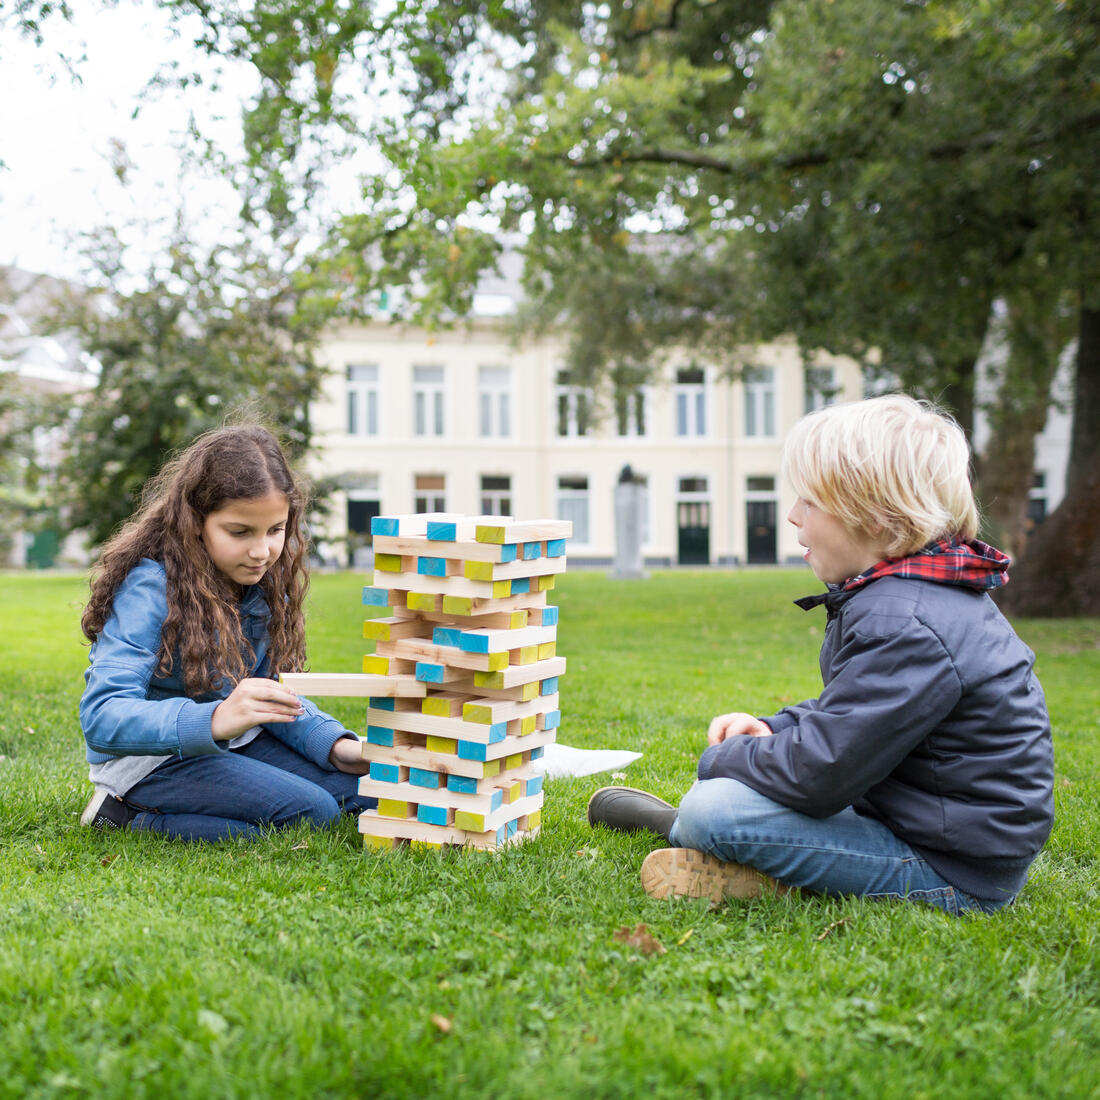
(693, 527)
(761, 526)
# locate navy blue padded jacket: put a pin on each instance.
(931, 721)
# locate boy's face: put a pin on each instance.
(832, 551)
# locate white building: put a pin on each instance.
(464, 421)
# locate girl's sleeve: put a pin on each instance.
(116, 714)
(312, 735)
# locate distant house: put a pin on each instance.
(35, 364)
(466, 421)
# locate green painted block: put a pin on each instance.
(388, 563)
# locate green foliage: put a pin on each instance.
(300, 966)
(203, 334)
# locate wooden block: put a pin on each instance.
(392, 563)
(444, 745)
(431, 672)
(407, 524)
(390, 807)
(352, 685)
(381, 597)
(495, 641)
(416, 649)
(517, 693)
(443, 704)
(422, 601)
(548, 649)
(543, 616)
(521, 674)
(456, 528)
(458, 729)
(465, 605)
(523, 531)
(417, 834)
(480, 761)
(491, 711)
(391, 629)
(377, 664)
(491, 620)
(466, 550)
(438, 567)
(492, 571)
(526, 655)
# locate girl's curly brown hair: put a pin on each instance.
(202, 628)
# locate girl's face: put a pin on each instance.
(832, 551)
(245, 537)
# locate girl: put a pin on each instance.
(195, 605)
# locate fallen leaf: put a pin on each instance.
(299, 847)
(832, 927)
(106, 861)
(641, 938)
(441, 1022)
(685, 937)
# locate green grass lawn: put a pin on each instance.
(302, 966)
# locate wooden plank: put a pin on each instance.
(489, 571)
(438, 726)
(444, 586)
(521, 674)
(491, 711)
(524, 531)
(415, 649)
(353, 685)
(413, 523)
(378, 830)
(418, 756)
(493, 620)
(391, 628)
(468, 550)
(497, 641)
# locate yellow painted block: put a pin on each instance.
(517, 620)
(489, 679)
(477, 712)
(528, 724)
(534, 819)
(378, 843)
(424, 845)
(447, 745)
(373, 665)
(440, 707)
(546, 582)
(527, 655)
(422, 601)
(478, 570)
(529, 691)
(502, 588)
(547, 650)
(374, 628)
(485, 533)
(388, 563)
(457, 605)
(513, 792)
(498, 661)
(514, 761)
(490, 768)
(391, 807)
(465, 819)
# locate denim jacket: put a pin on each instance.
(128, 710)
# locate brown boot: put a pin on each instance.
(688, 873)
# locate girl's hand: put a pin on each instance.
(254, 702)
(731, 725)
(346, 756)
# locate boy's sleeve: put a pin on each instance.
(116, 714)
(892, 684)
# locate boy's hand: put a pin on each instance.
(730, 725)
(254, 702)
(346, 756)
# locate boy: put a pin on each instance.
(924, 770)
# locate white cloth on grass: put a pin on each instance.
(561, 761)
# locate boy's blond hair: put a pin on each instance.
(886, 467)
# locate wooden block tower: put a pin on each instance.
(463, 681)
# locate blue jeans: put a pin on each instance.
(240, 793)
(842, 854)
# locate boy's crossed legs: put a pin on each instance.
(745, 833)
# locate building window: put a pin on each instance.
(431, 493)
(428, 401)
(494, 399)
(821, 388)
(573, 505)
(574, 407)
(630, 411)
(760, 402)
(691, 402)
(496, 495)
(362, 399)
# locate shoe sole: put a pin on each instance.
(688, 873)
(635, 790)
(87, 818)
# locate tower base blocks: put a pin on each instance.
(462, 686)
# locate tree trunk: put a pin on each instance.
(1060, 574)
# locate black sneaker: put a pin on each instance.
(105, 811)
(630, 810)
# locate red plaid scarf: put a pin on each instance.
(946, 561)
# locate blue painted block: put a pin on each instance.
(537, 754)
(532, 550)
(431, 815)
(431, 567)
(497, 732)
(497, 801)
(508, 552)
(379, 735)
(384, 525)
(521, 584)
(447, 635)
(382, 703)
(533, 786)
(376, 597)
(548, 686)
(551, 720)
(462, 784)
(427, 673)
(512, 827)
(555, 548)
(550, 616)
(471, 750)
(385, 773)
(421, 777)
(502, 834)
(442, 530)
(472, 643)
